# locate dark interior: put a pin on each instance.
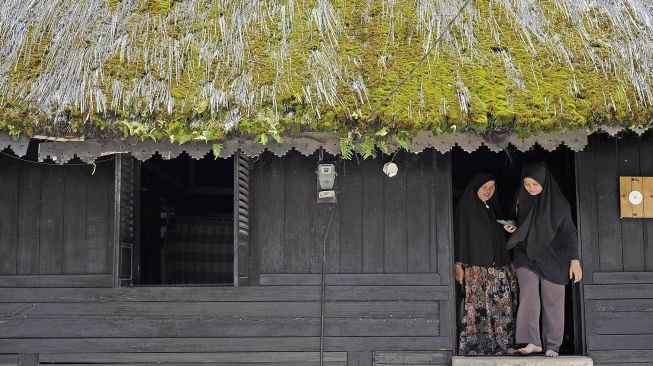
(186, 221)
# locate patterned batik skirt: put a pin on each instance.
(490, 303)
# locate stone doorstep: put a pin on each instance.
(521, 361)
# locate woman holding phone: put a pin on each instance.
(546, 256)
(484, 270)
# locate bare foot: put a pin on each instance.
(530, 348)
(551, 353)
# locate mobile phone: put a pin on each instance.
(504, 222)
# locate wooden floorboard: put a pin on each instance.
(193, 344)
(229, 294)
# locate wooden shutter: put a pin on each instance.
(126, 203)
(241, 219)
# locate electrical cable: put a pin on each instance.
(323, 294)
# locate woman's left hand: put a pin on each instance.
(575, 270)
(509, 228)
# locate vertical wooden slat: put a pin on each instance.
(373, 216)
(607, 186)
(394, 197)
(646, 169)
(632, 230)
(75, 249)
(9, 171)
(350, 207)
(51, 228)
(298, 197)
(444, 216)
(360, 358)
(29, 213)
(271, 205)
(587, 215)
(97, 222)
(433, 201)
(418, 208)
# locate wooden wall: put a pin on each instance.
(617, 253)
(55, 224)
(388, 250)
(388, 301)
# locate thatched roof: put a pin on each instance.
(367, 70)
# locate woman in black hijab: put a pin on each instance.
(546, 256)
(483, 268)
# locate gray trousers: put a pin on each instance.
(537, 294)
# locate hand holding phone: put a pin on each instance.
(505, 222)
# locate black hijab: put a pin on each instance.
(480, 240)
(539, 216)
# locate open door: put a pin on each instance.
(241, 219)
(126, 206)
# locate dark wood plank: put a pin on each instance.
(29, 212)
(630, 291)
(587, 213)
(623, 305)
(8, 214)
(323, 217)
(98, 225)
(300, 193)
(373, 216)
(622, 277)
(51, 228)
(411, 358)
(270, 213)
(359, 358)
(619, 357)
(607, 199)
(619, 342)
(271, 309)
(395, 238)
(646, 168)
(121, 344)
(216, 327)
(632, 230)
(8, 359)
(56, 281)
(262, 363)
(228, 294)
(433, 202)
(75, 249)
(418, 212)
(640, 323)
(28, 359)
(227, 357)
(350, 209)
(367, 279)
(443, 216)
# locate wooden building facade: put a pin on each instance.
(69, 266)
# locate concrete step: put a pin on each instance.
(521, 361)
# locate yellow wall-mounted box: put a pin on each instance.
(636, 197)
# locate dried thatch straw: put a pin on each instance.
(525, 63)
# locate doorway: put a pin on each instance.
(506, 167)
(186, 222)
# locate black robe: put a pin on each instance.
(546, 238)
(479, 238)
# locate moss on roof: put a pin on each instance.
(202, 69)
